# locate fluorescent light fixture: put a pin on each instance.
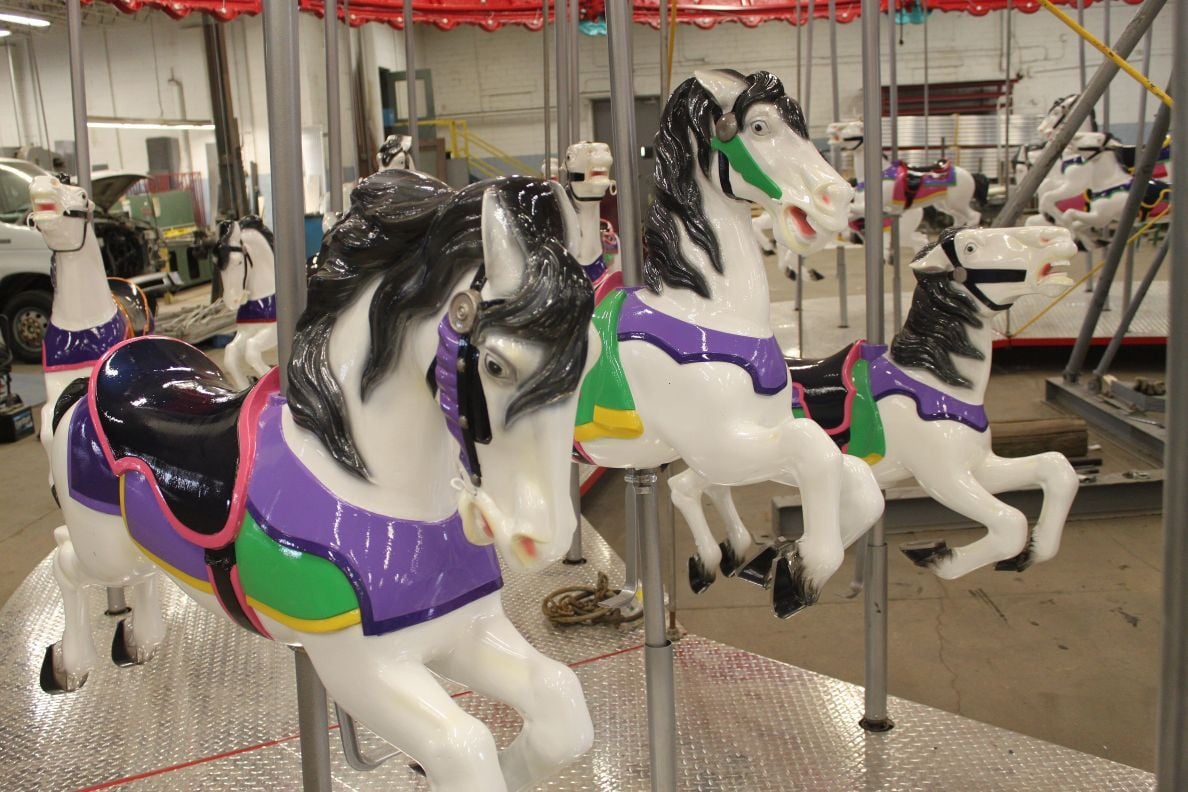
(21, 19)
(179, 124)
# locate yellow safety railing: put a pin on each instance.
(463, 144)
(1106, 50)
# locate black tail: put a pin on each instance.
(981, 190)
(70, 394)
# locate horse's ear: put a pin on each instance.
(934, 262)
(502, 253)
(569, 219)
(725, 86)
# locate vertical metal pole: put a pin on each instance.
(641, 483)
(1101, 294)
(927, 140)
(312, 720)
(17, 117)
(840, 252)
(1105, 100)
(665, 88)
(1081, 42)
(1140, 135)
(1139, 24)
(893, 112)
(574, 555)
(544, 80)
(1171, 762)
(78, 92)
(574, 50)
(561, 40)
(875, 717)
(1006, 126)
(410, 78)
(333, 106)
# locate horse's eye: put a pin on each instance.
(971, 247)
(496, 368)
(759, 127)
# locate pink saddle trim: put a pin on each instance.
(851, 390)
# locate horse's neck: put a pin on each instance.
(399, 430)
(739, 301)
(261, 275)
(81, 296)
(1107, 171)
(976, 371)
(589, 221)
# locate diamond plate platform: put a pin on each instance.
(216, 710)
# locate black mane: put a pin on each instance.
(414, 237)
(692, 111)
(937, 325)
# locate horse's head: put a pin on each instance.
(999, 265)
(231, 264)
(1058, 112)
(587, 166)
(524, 340)
(396, 152)
(61, 212)
(764, 156)
(849, 135)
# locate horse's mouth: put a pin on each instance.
(1052, 278)
(797, 221)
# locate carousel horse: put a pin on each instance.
(91, 312)
(689, 365)
(916, 409)
(586, 175)
(948, 187)
(427, 423)
(247, 285)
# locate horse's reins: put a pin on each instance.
(971, 278)
(732, 153)
(78, 214)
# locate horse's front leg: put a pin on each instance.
(738, 538)
(494, 659)
(379, 681)
(70, 661)
(1058, 480)
(233, 362)
(263, 341)
(687, 488)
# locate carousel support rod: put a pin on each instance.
(1130, 37)
(1006, 125)
(1101, 293)
(893, 129)
(574, 50)
(1105, 36)
(282, 68)
(333, 106)
(665, 87)
(1081, 43)
(641, 484)
(927, 144)
(561, 42)
(78, 94)
(117, 605)
(875, 717)
(410, 79)
(1171, 760)
(312, 723)
(1128, 275)
(544, 81)
(836, 157)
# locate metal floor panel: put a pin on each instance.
(216, 710)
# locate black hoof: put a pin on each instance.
(928, 553)
(790, 593)
(416, 768)
(700, 577)
(1016, 564)
(731, 561)
(758, 571)
(119, 646)
(51, 682)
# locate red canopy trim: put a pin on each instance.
(494, 14)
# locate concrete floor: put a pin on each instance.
(1066, 652)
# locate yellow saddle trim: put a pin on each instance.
(617, 424)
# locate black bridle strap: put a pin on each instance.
(972, 278)
(76, 214)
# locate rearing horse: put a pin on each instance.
(431, 400)
(690, 367)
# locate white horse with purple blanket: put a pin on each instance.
(429, 413)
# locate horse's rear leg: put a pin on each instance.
(402, 702)
(495, 660)
(738, 538)
(69, 661)
(144, 629)
(1058, 480)
(233, 362)
(264, 341)
(687, 488)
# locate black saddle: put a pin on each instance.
(134, 304)
(164, 402)
(825, 383)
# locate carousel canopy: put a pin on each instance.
(494, 14)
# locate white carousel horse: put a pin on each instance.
(948, 187)
(916, 409)
(247, 277)
(90, 313)
(328, 519)
(586, 176)
(689, 366)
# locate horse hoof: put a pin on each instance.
(55, 680)
(700, 576)
(1016, 564)
(731, 561)
(790, 593)
(416, 768)
(928, 553)
(124, 652)
(758, 571)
